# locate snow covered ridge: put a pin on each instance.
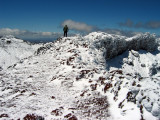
(138, 66)
(13, 50)
(70, 79)
(116, 44)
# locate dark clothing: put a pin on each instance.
(65, 34)
(65, 29)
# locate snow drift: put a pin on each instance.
(71, 79)
(13, 50)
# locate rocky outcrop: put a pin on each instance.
(116, 44)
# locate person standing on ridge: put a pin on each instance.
(65, 29)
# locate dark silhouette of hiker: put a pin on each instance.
(65, 29)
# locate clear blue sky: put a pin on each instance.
(48, 15)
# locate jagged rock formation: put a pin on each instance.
(116, 44)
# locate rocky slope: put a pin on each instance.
(98, 76)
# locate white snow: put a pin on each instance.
(12, 50)
(85, 78)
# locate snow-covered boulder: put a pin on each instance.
(116, 44)
(145, 41)
(113, 44)
(154, 68)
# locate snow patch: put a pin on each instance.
(12, 50)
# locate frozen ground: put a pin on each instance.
(70, 79)
(12, 50)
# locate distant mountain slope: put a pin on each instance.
(96, 77)
(13, 50)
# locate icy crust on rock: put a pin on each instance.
(71, 79)
(137, 83)
(116, 44)
(13, 50)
